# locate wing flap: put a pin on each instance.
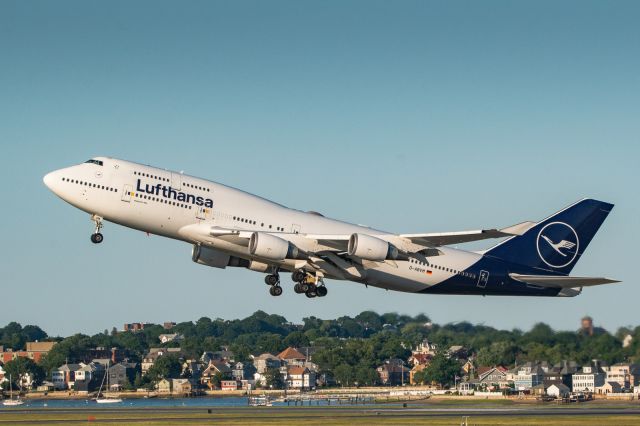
(561, 281)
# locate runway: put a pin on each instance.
(321, 415)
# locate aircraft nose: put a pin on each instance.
(47, 179)
(50, 180)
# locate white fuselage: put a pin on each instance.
(149, 199)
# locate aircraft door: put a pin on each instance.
(176, 181)
(126, 193)
(203, 213)
(483, 279)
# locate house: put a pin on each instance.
(413, 371)
(46, 386)
(298, 377)
(164, 386)
(420, 359)
(492, 378)
(559, 390)
(64, 376)
(560, 373)
(292, 356)
(468, 368)
(229, 385)
(588, 378)
(122, 375)
(266, 361)
(89, 377)
(181, 386)
(174, 337)
(425, 348)
(135, 326)
(192, 369)
(2, 374)
(222, 355)
(393, 372)
(87, 371)
(214, 371)
(168, 325)
(34, 351)
(527, 376)
(467, 387)
(154, 353)
(625, 374)
(242, 371)
(610, 387)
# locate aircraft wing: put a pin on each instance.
(459, 237)
(561, 281)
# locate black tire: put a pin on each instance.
(298, 275)
(311, 293)
(97, 238)
(297, 289)
(275, 290)
(304, 287)
(321, 291)
(271, 279)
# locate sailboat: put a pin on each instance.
(106, 399)
(11, 401)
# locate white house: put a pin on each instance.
(2, 375)
(166, 338)
(588, 378)
(300, 378)
(559, 390)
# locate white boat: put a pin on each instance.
(260, 401)
(12, 402)
(106, 399)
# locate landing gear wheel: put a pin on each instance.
(97, 237)
(321, 291)
(298, 275)
(276, 290)
(298, 288)
(271, 279)
(304, 287)
(311, 293)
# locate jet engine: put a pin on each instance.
(271, 247)
(215, 258)
(371, 248)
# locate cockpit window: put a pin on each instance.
(92, 161)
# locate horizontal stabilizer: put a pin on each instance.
(561, 281)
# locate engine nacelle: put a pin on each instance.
(216, 258)
(271, 247)
(371, 248)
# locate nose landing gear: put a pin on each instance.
(97, 237)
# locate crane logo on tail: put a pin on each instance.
(557, 244)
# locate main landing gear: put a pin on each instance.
(97, 237)
(273, 280)
(311, 286)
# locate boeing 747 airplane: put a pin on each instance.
(232, 228)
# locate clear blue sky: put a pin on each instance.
(408, 116)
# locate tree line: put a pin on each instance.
(348, 348)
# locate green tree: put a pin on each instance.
(273, 378)
(441, 370)
(366, 376)
(344, 375)
(165, 367)
(20, 366)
